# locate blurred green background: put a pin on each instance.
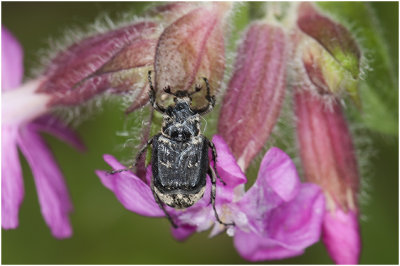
(106, 233)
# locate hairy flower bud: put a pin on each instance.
(330, 65)
(329, 160)
(326, 148)
(255, 93)
(331, 56)
(116, 59)
(193, 48)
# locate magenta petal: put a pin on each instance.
(55, 203)
(12, 68)
(130, 190)
(227, 166)
(183, 232)
(290, 228)
(280, 173)
(253, 247)
(297, 224)
(277, 182)
(54, 126)
(12, 185)
(341, 235)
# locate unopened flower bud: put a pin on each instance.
(255, 93)
(329, 160)
(330, 67)
(116, 59)
(193, 48)
(331, 56)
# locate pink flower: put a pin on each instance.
(329, 159)
(330, 68)
(22, 120)
(278, 217)
(324, 62)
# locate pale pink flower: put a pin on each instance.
(22, 120)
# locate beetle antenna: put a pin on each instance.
(149, 79)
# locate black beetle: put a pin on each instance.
(179, 160)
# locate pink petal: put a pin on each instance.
(341, 236)
(23, 104)
(277, 182)
(183, 232)
(297, 224)
(12, 185)
(55, 203)
(289, 228)
(227, 166)
(252, 247)
(130, 190)
(12, 68)
(54, 126)
(255, 93)
(280, 173)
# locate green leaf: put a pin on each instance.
(375, 28)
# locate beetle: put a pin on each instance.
(179, 160)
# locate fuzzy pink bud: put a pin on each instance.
(331, 55)
(255, 93)
(329, 160)
(116, 59)
(193, 48)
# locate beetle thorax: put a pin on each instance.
(180, 122)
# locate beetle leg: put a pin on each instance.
(211, 173)
(134, 164)
(162, 207)
(209, 98)
(214, 156)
